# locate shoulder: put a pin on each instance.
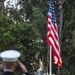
(8, 73)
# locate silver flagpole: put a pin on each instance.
(50, 61)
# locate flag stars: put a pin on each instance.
(51, 10)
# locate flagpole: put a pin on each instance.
(50, 61)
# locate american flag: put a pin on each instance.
(52, 35)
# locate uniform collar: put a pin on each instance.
(7, 70)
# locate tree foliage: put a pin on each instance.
(21, 36)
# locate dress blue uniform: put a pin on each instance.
(10, 56)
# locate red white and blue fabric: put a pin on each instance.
(52, 35)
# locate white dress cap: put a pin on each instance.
(10, 55)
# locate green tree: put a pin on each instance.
(20, 36)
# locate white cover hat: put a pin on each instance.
(10, 55)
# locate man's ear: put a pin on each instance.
(3, 64)
(16, 64)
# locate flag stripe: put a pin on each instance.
(52, 35)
